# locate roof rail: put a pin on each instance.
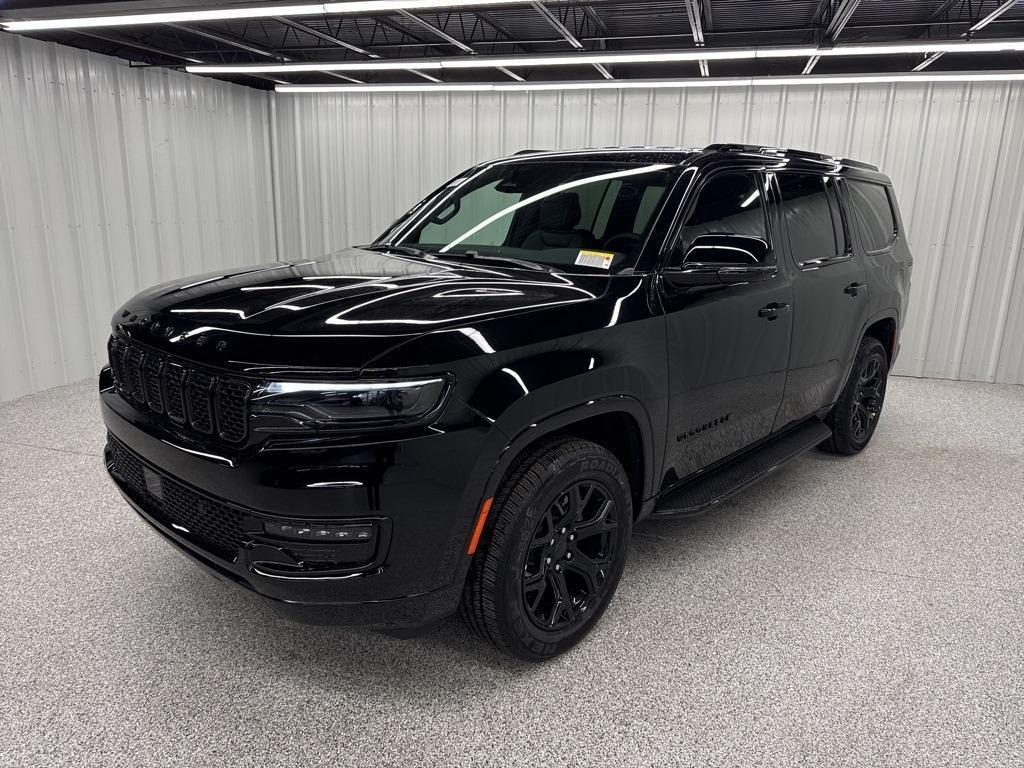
(529, 151)
(761, 150)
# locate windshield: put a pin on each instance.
(594, 215)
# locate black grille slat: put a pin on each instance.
(133, 368)
(199, 396)
(215, 526)
(231, 399)
(152, 373)
(116, 353)
(203, 403)
(174, 389)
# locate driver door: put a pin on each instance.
(729, 321)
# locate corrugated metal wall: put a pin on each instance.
(112, 179)
(347, 164)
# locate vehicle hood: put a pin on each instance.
(339, 312)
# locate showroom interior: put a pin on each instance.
(847, 610)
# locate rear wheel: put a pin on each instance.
(559, 530)
(855, 415)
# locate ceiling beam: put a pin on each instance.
(558, 26)
(565, 32)
(230, 40)
(436, 31)
(386, 24)
(247, 46)
(595, 19)
(994, 15)
(709, 21)
(840, 17)
(324, 36)
(425, 76)
(943, 9)
(126, 43)
(693, 16)
(980, 24)
(454, 41)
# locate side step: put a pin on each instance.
(707, 490)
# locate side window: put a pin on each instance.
(728, 204)
(812, 215)
(873, 211)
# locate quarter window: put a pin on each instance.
(813, 220)
(729, 204)
(872, 209)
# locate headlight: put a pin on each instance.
(323, 405)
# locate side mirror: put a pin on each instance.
(732, 250)
(722, 260)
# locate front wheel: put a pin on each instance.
(855, 415)
(559, 530)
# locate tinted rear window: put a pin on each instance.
(872, 210)
(812, 216)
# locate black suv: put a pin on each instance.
(477, 408)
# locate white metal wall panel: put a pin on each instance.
(113, 179)
(349, 163)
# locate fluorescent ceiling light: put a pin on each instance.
(705, 82)
(375, 65)
(925, 46)
(612, 57)
(376, 6)
(257, 12)
(172, 17)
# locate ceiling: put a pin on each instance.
(524, 28)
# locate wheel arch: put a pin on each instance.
(619, 423)
(884, 326)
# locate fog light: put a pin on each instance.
(304, 532)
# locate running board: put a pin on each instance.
(707, 490)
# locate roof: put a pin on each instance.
(687, 155)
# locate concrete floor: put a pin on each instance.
(864, 611)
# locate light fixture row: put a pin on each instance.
(253, 12)
(703, 82)
(617, 57)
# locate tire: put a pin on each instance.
(854, 417)
(571, 492)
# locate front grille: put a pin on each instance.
(208, 405)
(215, 526)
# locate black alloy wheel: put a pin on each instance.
(570, 556)
(554, 547)
(854, 417)
(868, 403)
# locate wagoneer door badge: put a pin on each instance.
(703, 427)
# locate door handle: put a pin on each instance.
(854, 288)
(772, 311)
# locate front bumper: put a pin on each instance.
(418, 495)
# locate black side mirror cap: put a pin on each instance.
(693, 274)
(739, 250)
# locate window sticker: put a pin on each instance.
(596, 259)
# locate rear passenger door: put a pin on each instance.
(829, 292)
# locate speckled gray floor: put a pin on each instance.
(861, 612)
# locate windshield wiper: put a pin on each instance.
(518, 262)
(406, 250)
(409, 250)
